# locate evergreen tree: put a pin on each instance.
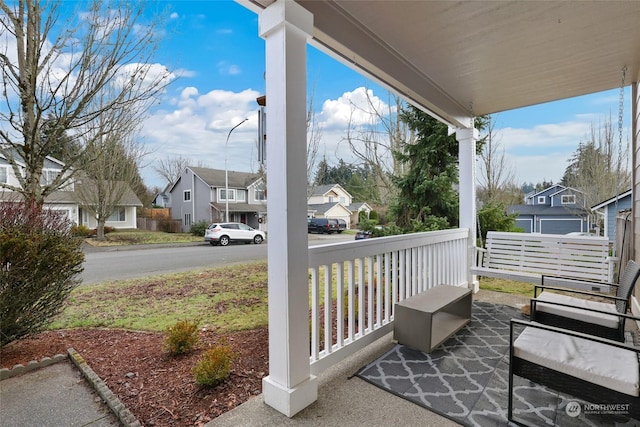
(427, 198)
(322, 173)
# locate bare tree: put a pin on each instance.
(496, 177)
(68, 78)
(314, 136)
(171, 168)
(109, 166)
(375, 143)
(598, 167)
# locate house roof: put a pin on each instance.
(471, 58)
(326, 207)
(321, 190)
(69, 197)
(359, 205)
(612, 200)
(544, 210)
(534, 194)
(20, 160)
(216, 177)
(240, 207)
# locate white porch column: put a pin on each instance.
(290, 387)
(467, 190)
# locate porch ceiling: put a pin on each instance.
(467, 58)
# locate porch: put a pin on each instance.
(454, 61)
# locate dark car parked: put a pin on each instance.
(322, 225)
(363, 235)
(342, 225)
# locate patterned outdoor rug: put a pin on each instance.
(466, 378)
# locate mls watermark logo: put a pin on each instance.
(573, 409)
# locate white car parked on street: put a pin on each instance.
(225, 233)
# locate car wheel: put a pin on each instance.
(257, 239)
(339, 231)
(224, 240)
(212, 243)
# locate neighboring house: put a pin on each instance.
(199, 195)
(609, 210)
(358, 207)
(554, 210)
(163, 199)
(333, 201)
(65, 200)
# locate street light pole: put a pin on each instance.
(226, 173)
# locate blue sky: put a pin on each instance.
(215, 49)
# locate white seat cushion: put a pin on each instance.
(595, 362)
(576, 312)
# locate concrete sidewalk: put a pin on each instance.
(55, 395)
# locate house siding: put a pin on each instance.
(611, 214)
(130, 219)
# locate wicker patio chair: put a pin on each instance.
(577, 313)
(576, 364)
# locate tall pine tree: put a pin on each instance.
(427, 198)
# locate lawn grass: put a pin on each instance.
(506, 286)
(225, 299)
(143, 237)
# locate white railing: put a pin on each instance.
(354, 286)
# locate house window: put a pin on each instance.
(343, 200)
(3, 174)
(48, 176)
(222, 195)
(117, 216)
(569, 199)
(241, 196)
(260, 193)
(187, 195)
(187, 219)
(330, 199)
(542, 200)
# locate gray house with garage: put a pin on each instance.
(200, 194)
(554, 210)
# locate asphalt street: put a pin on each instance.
(130, 262)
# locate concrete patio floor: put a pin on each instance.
(344, 400)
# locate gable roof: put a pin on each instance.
(216, 177)
(20, 160)
(612, 199)
(321, 190)
(325, 207)
(544, 190)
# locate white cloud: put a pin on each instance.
(174, 15)
(197, 128)
(357, 107)
(541, 152)
(227, 69)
